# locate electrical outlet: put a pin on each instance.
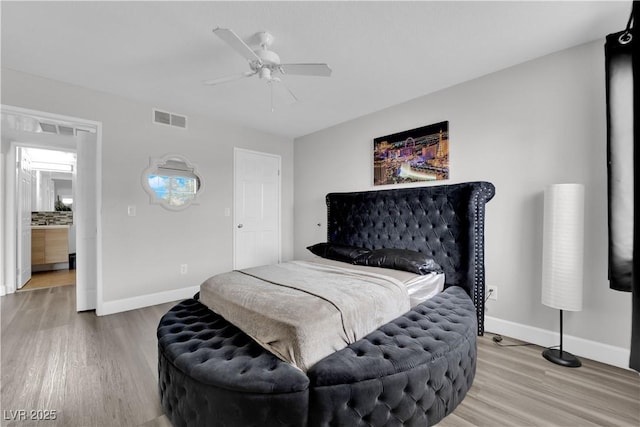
(183, 268)
(492, 291)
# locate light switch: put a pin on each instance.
(227, 211)
(131, 210)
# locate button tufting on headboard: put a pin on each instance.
(446, 221)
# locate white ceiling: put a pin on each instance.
(381, 53)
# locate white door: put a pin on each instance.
(24, 218)
(256, 209)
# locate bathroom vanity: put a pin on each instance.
(49, 244)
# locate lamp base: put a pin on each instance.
(561, 358)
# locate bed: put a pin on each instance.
(413, 369)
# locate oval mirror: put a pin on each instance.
(172, 182)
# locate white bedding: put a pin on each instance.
(419, 287)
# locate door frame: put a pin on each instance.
(9, 262)
(236, 150)
(23, 245)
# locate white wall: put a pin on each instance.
(142, 254)
(2, 207)
(522, 128)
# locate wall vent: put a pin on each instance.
(48, 127)
(66, 130)
(179, 121)
(57, 129)
(170, 119)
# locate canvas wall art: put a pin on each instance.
(416, 155)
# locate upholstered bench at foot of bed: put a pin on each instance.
(412, 371)
(212, 374)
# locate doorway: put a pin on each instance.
(47, 243)
(24, 127)
(256, 237)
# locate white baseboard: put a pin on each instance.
(126, 304)
(604, 353)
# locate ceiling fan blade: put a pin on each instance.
(214, 82)
(322, 70)
(236, 43)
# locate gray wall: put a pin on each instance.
(522, 128)
(142, 254)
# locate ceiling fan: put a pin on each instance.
(263, 62)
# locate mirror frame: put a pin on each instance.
(154, 163)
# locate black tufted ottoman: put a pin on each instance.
(412, 371)
(212, 374)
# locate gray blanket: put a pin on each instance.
(302, 311)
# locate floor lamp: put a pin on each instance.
(562, 257)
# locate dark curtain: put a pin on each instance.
(634, 362)
(622, 68)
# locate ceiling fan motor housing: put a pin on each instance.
(265, 39)
(267, 57)
(269, 61)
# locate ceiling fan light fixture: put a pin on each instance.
(264, 73)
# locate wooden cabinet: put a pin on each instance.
(37, 246)
(56, 245)
(49, 245)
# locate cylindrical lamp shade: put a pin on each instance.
(563, 246)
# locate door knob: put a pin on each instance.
(240, 226)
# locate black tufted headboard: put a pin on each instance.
(444, 221)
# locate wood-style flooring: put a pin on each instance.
(516, 386)
(49, 279)
(102, 371)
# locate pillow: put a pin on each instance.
(399, 259)
(338, 252)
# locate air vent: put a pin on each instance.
(161, 117)
(48, 127)
(66, 130)
(164, 118)
(57, 129)
(179, 121)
